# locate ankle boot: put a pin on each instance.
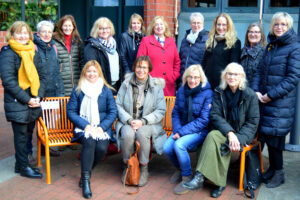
(179, 188)
(86, 190)
(277, 179)
(266, 176)
(196, 182)
(144, 175)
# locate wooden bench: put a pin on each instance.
(55, 129)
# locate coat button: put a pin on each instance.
(164, 73)
(164, 51)
(164, 62)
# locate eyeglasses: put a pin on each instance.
(142, 68)
(282, 25)
(46, 32)
(254, 32)
(230, 74)
(196, 23)
(220, 25)
(104, 29)
(196, 78)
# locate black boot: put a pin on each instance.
(86, 190)
(30, 173)
(268, 175)
(196, 182)
(277, 179)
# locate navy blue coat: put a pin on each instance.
(192, 53)
(278, 75)
(107, 111)
(201, 110)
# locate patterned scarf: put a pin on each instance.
(108, 45)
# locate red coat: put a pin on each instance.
(165, 60)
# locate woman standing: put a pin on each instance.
(252, 53)
(222, 48)
(93, 110)
(162, 50)
(130, 42)
(190, 118)
(235, 117)
(69, 50)
(102, 47)
(275, 85)
(24, 81)
(192, 46)
(141, 108)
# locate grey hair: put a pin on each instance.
(281, 15)
(44, 23)
(196, 15)
(236, 68)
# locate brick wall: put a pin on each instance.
(2, 35)
(165, 8)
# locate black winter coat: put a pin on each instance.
(277, 76)
(128, 51)
(48, 54)
(192, 53)
(215, 60)
(15, 98)
(250, 59)
(93, 51)
(248, 115)
(70, 64)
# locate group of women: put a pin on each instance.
(215, 106)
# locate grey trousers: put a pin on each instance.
(128, 136)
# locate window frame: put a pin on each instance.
(185, 7)
(271, 10)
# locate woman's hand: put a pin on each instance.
(234, 143)
(34, 103)
(100, 130)
(176, 136)
(265, 98)
(88, 128)
(259, 96)
(136, 124)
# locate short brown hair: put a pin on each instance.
(139, 60)
(17, 27)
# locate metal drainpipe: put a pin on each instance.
(295, 133)
(23, 10)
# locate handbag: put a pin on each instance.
(132, 175)
(253, 175)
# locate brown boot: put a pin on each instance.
(176, 177)
(179, 188)
(144, 175)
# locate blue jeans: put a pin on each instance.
(177, 151)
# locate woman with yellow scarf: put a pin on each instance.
(24, 82)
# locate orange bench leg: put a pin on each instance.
(47, 157)
(39, 153)
(260, 157)
(242, 170)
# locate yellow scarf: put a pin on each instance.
(27, 75)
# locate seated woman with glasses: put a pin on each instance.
(234, 117)
(141, 109)
(190, 118)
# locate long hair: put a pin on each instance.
(230, 35)
(84, 70)
(237, 68)
(59, 32)
(17, 27)
(192, 68)
(263, 41)
(138, 17)
(152, 24)
(99, 24)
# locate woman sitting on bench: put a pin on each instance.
(93, 110)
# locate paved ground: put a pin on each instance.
(106, 182)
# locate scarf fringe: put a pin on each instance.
(96, 136)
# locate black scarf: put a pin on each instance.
(233, 100)
(188, 103)
(136, 39)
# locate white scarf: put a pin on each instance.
(89, 108)
(192, 37)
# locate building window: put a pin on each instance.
(242, 3)
(134, 2)
(35, 11)
(110, 3)
(202, 3)
(284, 3)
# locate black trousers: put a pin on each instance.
(275, 158)
(92, 152)
(22, 133)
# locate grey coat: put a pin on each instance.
(154, 109)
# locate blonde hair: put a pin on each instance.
(278, 16)
(152, 24)
(237, 68)
(99, 24)
(230, 35)
(17, 27)
(84, 71)
(192, 68)
(138, 17)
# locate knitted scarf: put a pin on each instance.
(188, 103)
(192, 37)
(233, 100)
(89, 108)
(217, 39)
(27, 74)
(109, 45)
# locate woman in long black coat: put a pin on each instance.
(275, 84)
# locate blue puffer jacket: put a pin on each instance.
(278, 75)
(201, 110)
(106, 106)
(192, 53)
